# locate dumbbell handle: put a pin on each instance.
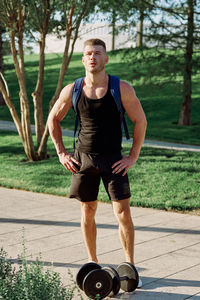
(124, 278)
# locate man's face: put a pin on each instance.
(94, 58)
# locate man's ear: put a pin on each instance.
(107, 59)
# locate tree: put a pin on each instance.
(185, 114)
(114, 13)
(2, 102)
(113, 28)
(139, 42)
(20, 22)
(130, 17)
(171, 36)
(133, 15)
(178, 29)
(144, 10)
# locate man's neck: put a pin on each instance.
(96, 79)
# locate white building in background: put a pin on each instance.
(87, 31)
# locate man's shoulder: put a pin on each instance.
(68, 88)
(67, 91)
(124, 85)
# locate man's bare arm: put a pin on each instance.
(136, 114)
(56, 115)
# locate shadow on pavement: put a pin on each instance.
(99, 225)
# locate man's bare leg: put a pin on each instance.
(126, 228)
(88, 226)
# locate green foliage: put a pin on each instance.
(31, 282)
(126, 13)
(34, 13)
(5, 267)
(155, 66)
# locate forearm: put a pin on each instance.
(127, 162)
(66, 159)
(56, 135)
(139, 131)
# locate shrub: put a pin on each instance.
(31, 282)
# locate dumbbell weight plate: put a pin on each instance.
(83, 271)
(115, 280)
(98, 283)
(128, 270)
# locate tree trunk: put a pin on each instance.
(2, 102)
(5, 92)
(38, 93)
(25, 108)
(185, 114)
(113, 29)
(24, 102)
(139, 42)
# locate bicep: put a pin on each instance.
(62, 105)
(131, 103)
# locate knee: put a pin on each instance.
(88, 212)
(124, 215)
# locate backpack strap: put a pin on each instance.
(76, 92)
(115, 91)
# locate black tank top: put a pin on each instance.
(100, 126)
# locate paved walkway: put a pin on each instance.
(10, 126)
(167, 247)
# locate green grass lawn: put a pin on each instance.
(163, 179)
(161, 103)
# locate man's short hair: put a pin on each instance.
(95, 42)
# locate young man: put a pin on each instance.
(98, 150)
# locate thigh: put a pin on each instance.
(85, 183)
(116, 185)
(84, 187)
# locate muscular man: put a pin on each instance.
(98, 150)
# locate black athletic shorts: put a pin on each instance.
(85, 183)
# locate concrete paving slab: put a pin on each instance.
(169, 264)
(167, 243)
(160, 247)
(48, 243)
(177, 286)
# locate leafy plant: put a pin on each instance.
(31, 282)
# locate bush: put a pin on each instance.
(31, 282)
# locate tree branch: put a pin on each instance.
(6, 95)
(5, 84)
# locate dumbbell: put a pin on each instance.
(94, 281)
(126, 277)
